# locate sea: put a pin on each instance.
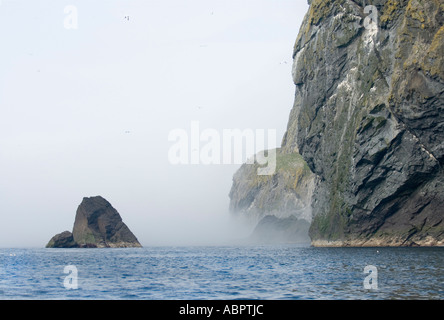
(264, 272)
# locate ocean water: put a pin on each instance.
(223, 273)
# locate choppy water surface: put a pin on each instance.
(244, 272)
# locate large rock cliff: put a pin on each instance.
(368, 119)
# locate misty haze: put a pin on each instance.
(91, 92)
(225, 150)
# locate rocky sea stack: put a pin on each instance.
(97, 225)
(368, 120)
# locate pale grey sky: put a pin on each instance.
(87, 111)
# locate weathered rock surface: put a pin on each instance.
(368, 118)
(97, 225)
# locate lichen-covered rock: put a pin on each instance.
(368, 119)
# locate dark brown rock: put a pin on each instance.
(97, 225)
(62, 240)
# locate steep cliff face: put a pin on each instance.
(368, 119)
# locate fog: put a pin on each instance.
(90, 90)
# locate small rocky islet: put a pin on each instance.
(97, 225)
